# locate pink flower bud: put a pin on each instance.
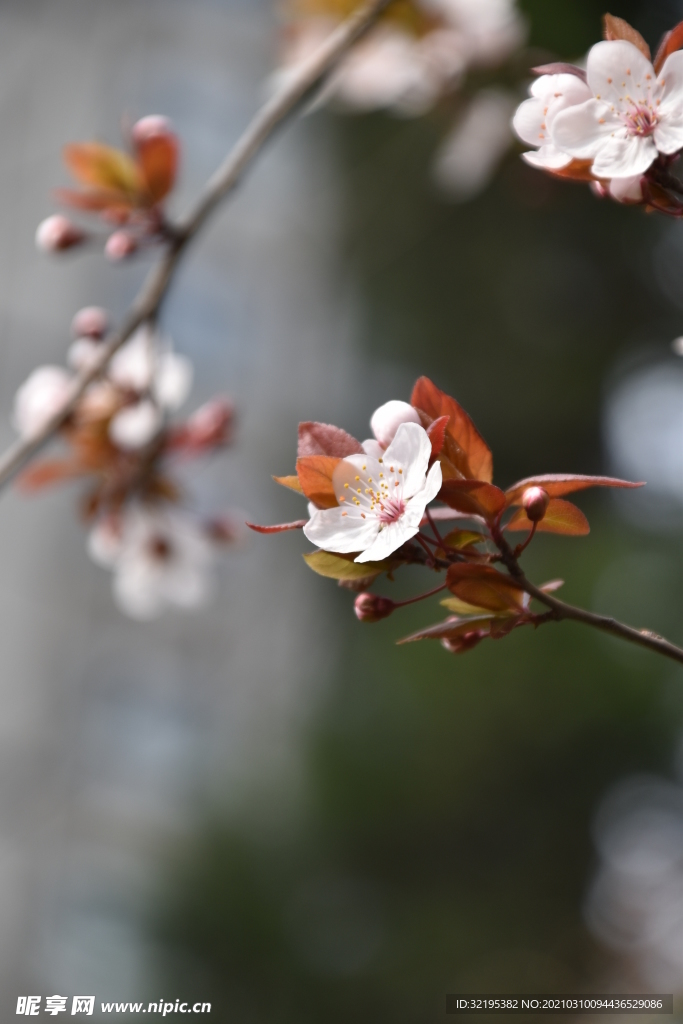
(372, 608)
(151, 127)
(120, 246)
(57, 233)
(535, 501)
(91, 322)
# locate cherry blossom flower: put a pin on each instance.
(632, 115)
(533, 121)
(39, 398)
(381, 500)
(160, 558)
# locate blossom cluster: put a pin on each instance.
(119, 438)
(419, 54)
(618, 123)
(370, 512)
(126, 189)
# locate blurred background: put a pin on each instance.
(270, 806)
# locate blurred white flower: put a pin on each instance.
(489, 29)
(470, 154)
(533, 121)
(635, 904)
(136, 425)
(631, 116)
(40, 397)
(160, 558)
(381, 501)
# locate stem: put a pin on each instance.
(522, 547)
(420, 597)
(274, 112)
(434, 528)
(561, 610)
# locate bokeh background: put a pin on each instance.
(269, 806)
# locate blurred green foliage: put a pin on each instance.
(441, 841)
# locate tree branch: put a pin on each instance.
(269, 118)
(561, 610)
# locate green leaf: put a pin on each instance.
(342, 567)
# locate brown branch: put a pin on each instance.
(561, 610)
(285, 101)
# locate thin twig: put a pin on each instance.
(561, 610)
(269, 118)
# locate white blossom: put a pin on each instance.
(381, 500)
(136, 425)
(384, 423)
(40, 397)
(632, 115)
(160, 558)
(533, 121)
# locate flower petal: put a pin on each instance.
(668, 134)
(627, 190)
(623, 158)
(389, 539)
(616, 69)
(529, 121)
(671, 79)
(388, 418)
(547, 158)
(342, 530)
(410, 451)
(583, 130)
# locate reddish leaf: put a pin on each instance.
(559, 68)
(671, 42)
(617, 28)
(561, 517)
(315, 476)
(289, 481)
(158, 160)
(473, 497)
(577, 170)
(93, 200)
(280, 528)
(559, 484)
(452, 629)
(460, 540)
(485, 587)
(437, 434)
(48, 473)
(102, 167)
(464, 448)
(324, 439)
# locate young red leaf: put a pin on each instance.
(103, 167)
(324, 439)
(485, 587)
(472, 497)
(671, 42)
(452, 629)
(315, 476)
(289, 481)
(617, 28)
(464, 447)
(436, 432)
(559, 484)
(576, 170)
(158, 160)
(279, 528)
(94, 200)
(47, 473)
(561, 517)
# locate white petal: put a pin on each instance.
(105, 542)
(136, 425)
(131, 366)
(172, 380)
(39, 398)
(529, 120)
(431, 488)
(623, 158)
(84, 353)
(547, 158)
(668, 134)
(671, 94)
(137, 593)
(373, 448)
(390, 538)
(616, 69)
(583, 130)
(627, 190)
(410, 450)
(331, 530)
(388, 418)
(368, 471)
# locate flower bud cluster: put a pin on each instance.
(126, 189)
(118, 437)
